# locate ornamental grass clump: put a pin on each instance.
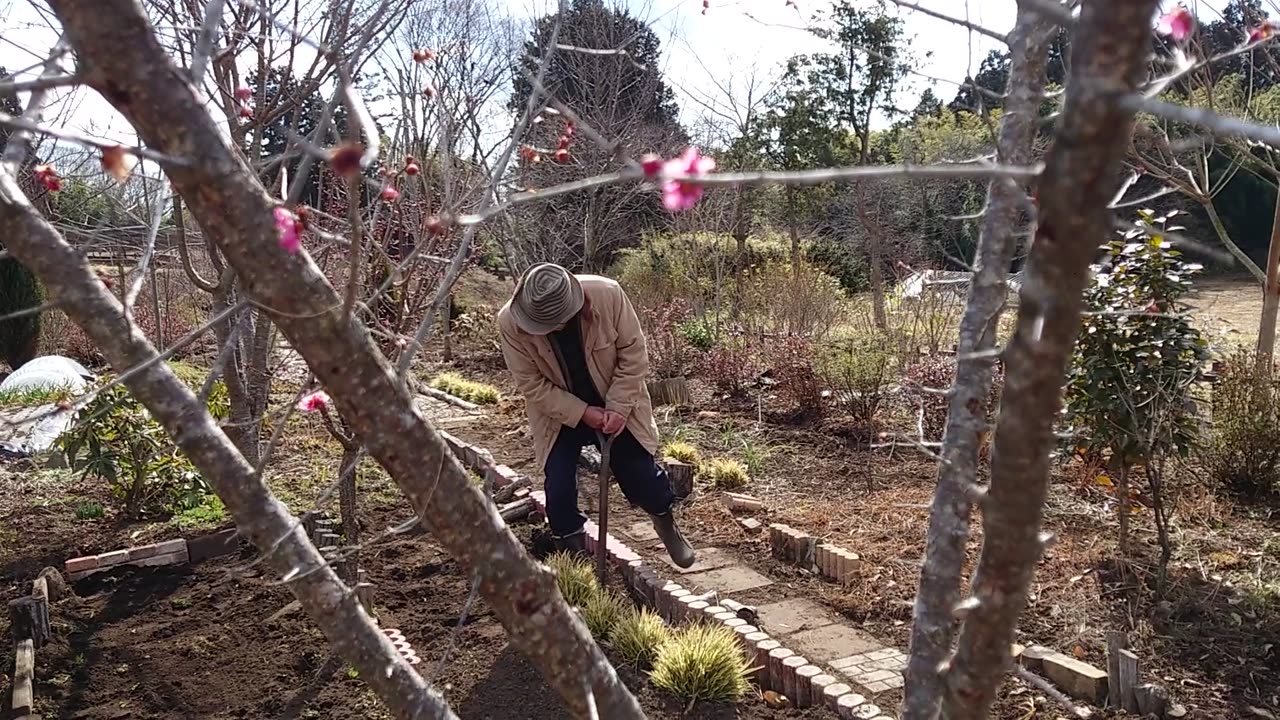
(726, 474)
(637, 635)
(601, 611)
(702, 662)
(575, 577)
(683, 452)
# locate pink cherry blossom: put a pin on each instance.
(678, 195)
(289, 229)
(318, 400)
(1177, 23)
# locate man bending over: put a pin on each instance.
(574, 345)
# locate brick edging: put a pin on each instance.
(1079, 680)
(777, 668)
(181, 551)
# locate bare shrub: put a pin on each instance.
(791, 360)
(1243, 451)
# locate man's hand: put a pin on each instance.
(595, 418)
(614, 423)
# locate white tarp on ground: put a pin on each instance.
(31, 430)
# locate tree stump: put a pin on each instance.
(672, 391)
(681, 477)
(29, 619)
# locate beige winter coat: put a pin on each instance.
(617, 358)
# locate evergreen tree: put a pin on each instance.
(19, 289)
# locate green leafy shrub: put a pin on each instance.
(702, 662)
(575, 577)
(726, 474)
(1128, 394)
(857, 370)
(637, 635)
(1243, 449)
(116, 438)
(601, 612)
(1137, 357)
(698, 332)
(683, 452)
(460, 387)
(19, 290)
(840, 260)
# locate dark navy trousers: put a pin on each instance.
(643, 481)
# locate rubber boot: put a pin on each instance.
(678, 548)
(574, 544)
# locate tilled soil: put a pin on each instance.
(206, 642)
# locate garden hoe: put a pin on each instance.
(602, 541)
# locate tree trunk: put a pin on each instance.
(347, 508)
(1225, 238)
(1270, 293)
(793, 228)
(1111, 46)
(875, 259)
(933, 631)
(446, 331)
(740, 259)
(1123, 506)
(122, 59)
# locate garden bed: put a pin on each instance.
(1213, 639)
(205, 641)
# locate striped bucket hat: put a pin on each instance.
(547, 296)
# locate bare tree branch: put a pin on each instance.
(1109, 58)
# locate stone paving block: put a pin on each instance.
(752, 526)
(793, 615)
(896, 681)
(1079, 679)
(833, 641)
(890, 663)
(849, 664)
(642, 532)
(732, 579)
(708, 559)
(882, 653)
(875, 676)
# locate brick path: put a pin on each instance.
(848, 654)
